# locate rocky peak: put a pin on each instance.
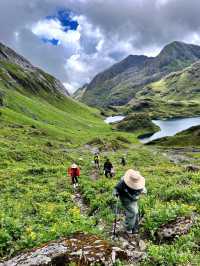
(26, 75)
(180, 51)
(11, 56)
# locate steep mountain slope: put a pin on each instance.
(32, 97)
(119, 84)
(41, 133)
(177, 94)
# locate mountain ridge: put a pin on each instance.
(31, 97)
(7, 55)
(118, 84)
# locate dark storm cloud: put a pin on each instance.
(146, 22)
(112, 29)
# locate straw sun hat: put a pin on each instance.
(74, 165)
(134, 179)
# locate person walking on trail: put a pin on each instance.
(123, 161)
(74, 173)
(108, 168)
(128, 190)
(97, 160)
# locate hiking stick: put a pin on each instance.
(115, 220)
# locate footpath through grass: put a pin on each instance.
(37, 199)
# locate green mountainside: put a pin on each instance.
(187, 138)
(32, 97)
(177, 94)
(119, 84)
(43, 131)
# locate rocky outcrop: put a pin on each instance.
(81, 249)
(11, 56)
(173, 229)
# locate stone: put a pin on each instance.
(142, 245)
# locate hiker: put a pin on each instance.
(74, 173)
(123, 161)
(128, 190)
(108, 168)
(97, 160)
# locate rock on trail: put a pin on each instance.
(81, 249)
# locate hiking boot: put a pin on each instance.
(74, 185)
(135, 231)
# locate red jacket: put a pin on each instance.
(73, 171)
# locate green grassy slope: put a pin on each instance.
(175, 95)
(41, 133)
(187, 138)
(31, 103)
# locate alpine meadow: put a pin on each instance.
(81, 181)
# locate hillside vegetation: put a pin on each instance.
(187, 138)
(119, 84)
(175, 95)
(32, 97)
(42, 131)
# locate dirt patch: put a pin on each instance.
(79, 202)
(95, 174)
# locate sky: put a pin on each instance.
(76, 39)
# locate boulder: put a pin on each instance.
(80, 249)
(173, 229)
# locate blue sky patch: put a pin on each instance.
(54, 42)
(65, 19)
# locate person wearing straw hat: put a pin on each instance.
(128, 190)
(74, 173)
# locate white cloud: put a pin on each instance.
(107, 32)
(52, 29)
(70, 88)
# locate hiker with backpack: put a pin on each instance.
(108, 168)
(130, 187)
(74, 173)
(97, 160)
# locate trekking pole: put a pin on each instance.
(115, 220)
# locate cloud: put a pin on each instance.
(74, 40)
(53, 29)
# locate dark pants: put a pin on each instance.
(74, 180)
(108, 173)
(132, 216)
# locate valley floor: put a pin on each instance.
(38, 204)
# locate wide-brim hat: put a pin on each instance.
(74, 165)
(133, 179)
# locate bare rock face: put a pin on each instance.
(176, 228)
(11, 56)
